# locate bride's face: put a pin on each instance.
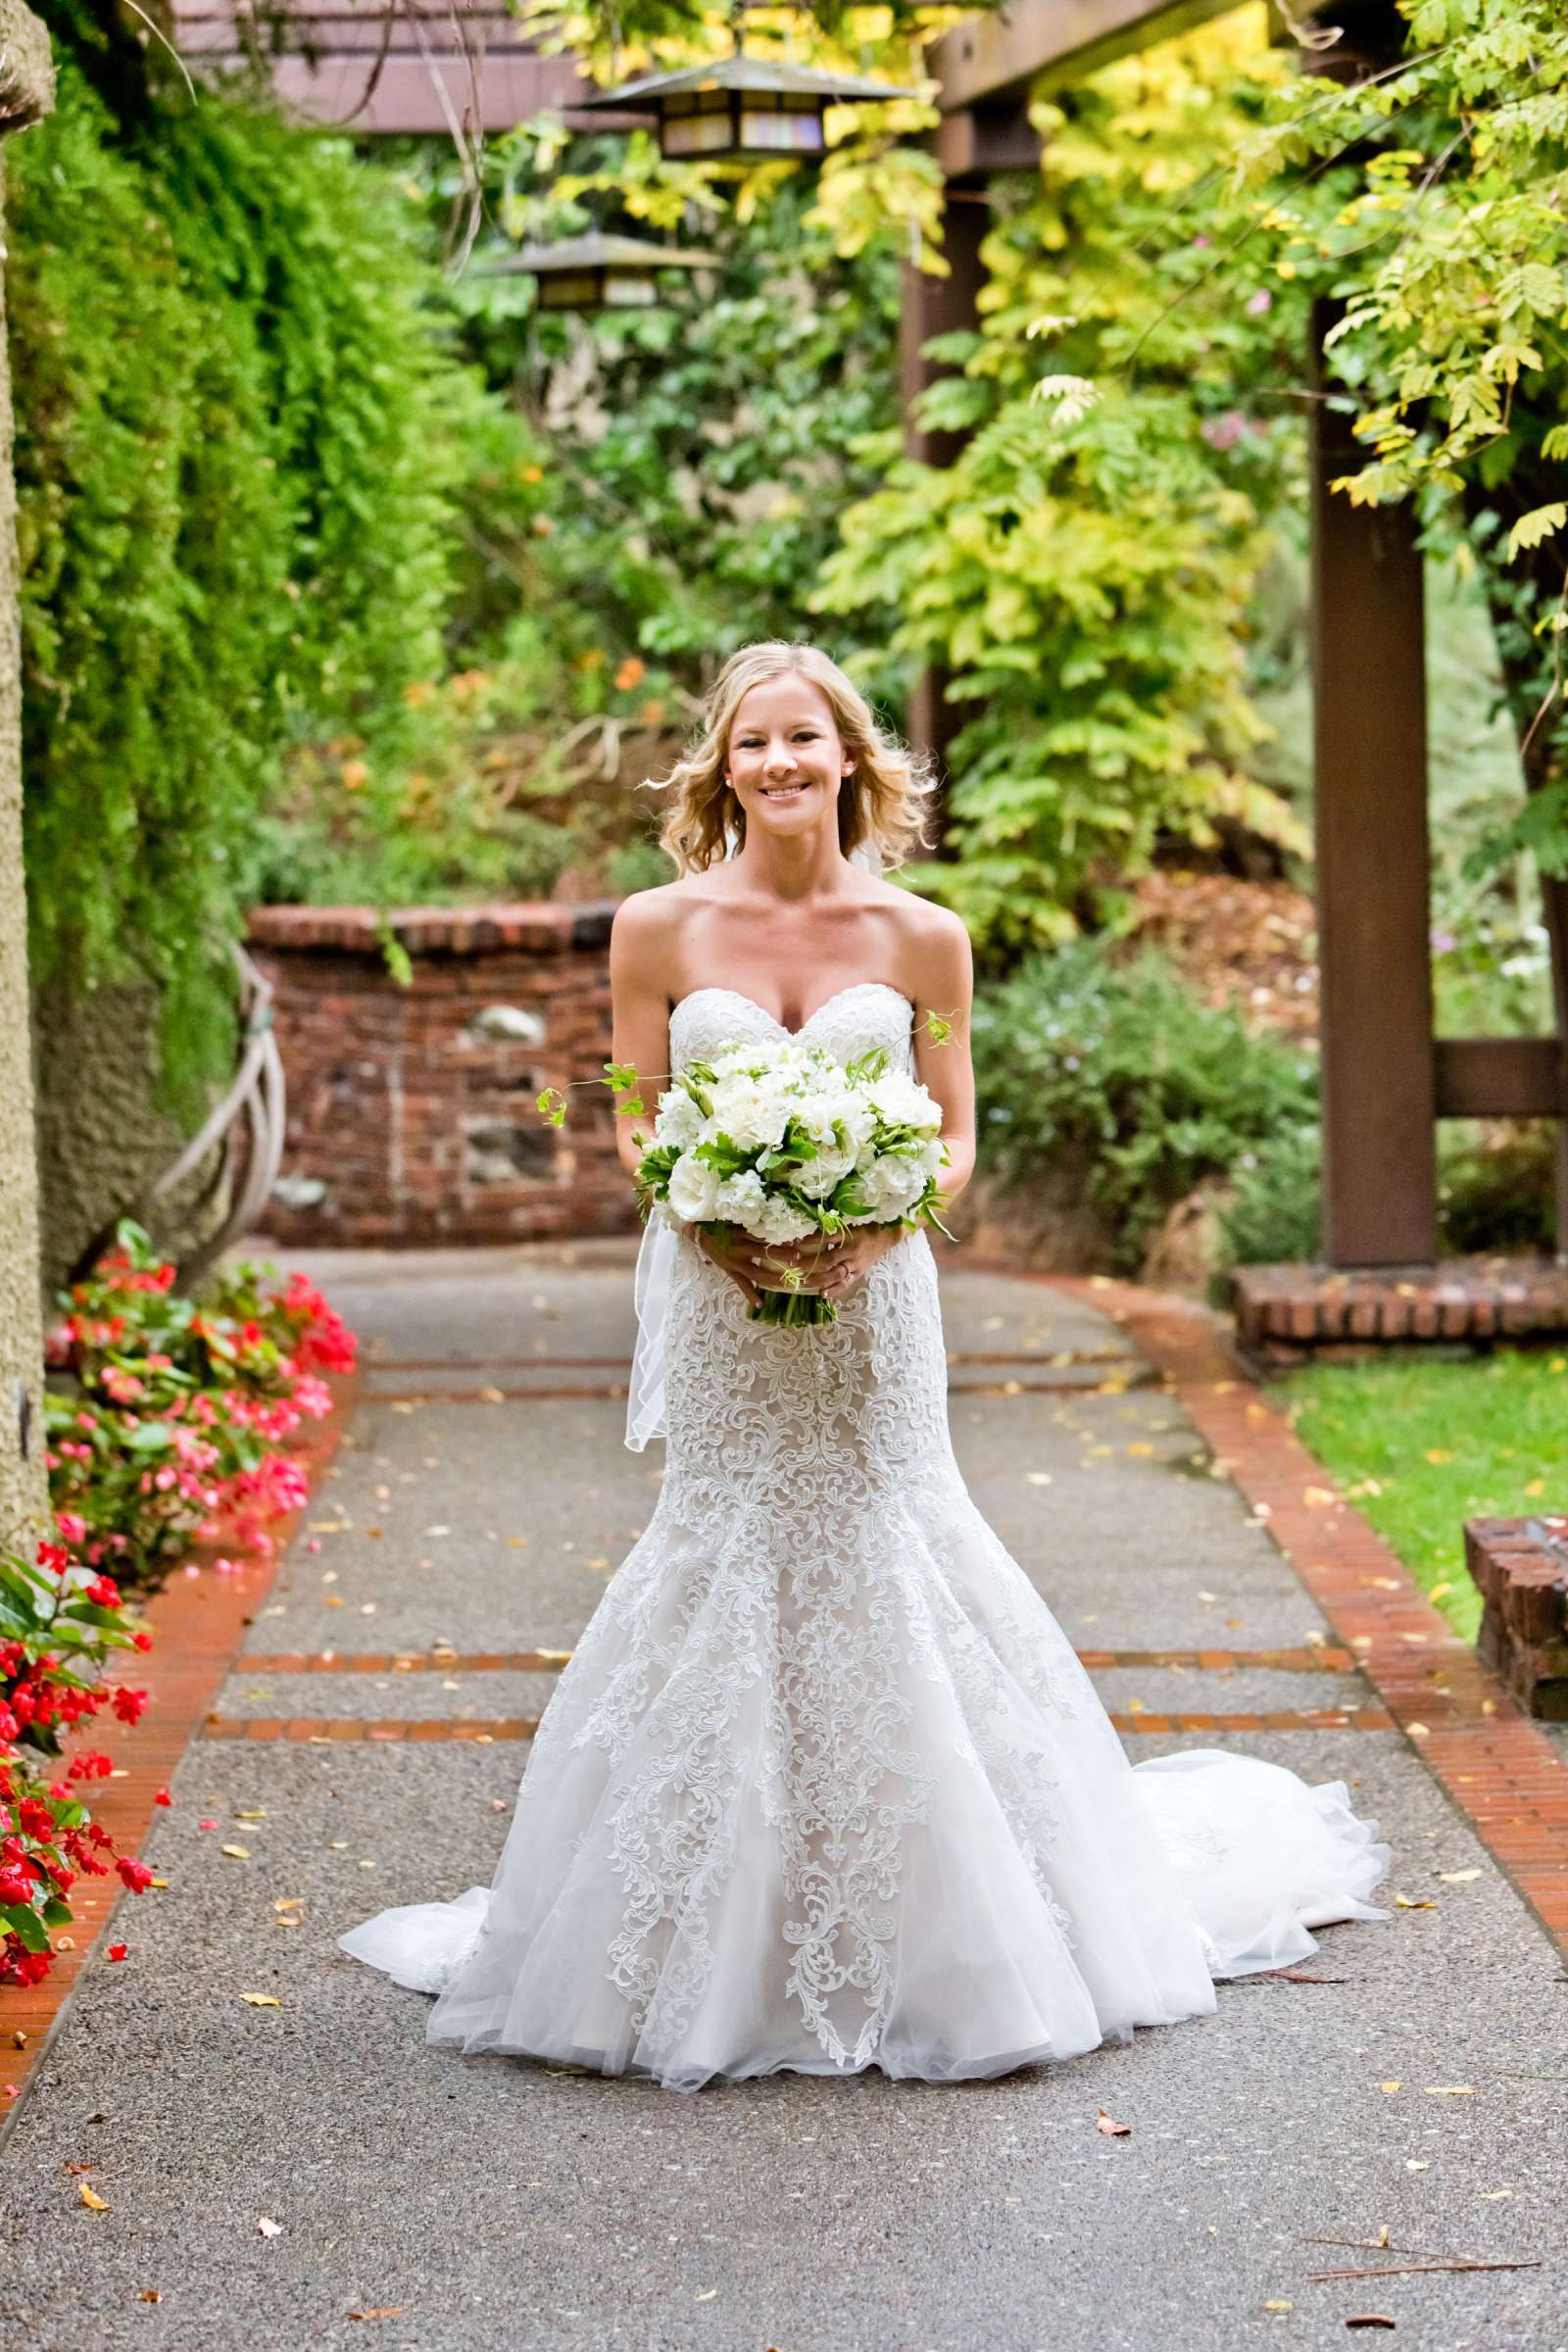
(786, 756)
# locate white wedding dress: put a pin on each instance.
(823, 1785)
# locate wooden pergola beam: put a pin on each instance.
(992, 57)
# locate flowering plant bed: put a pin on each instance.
(172, 1423)
(176, 1429)
(59, 1627)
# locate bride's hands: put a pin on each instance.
(829, 1263)
(833, 1263)
(736, 1254)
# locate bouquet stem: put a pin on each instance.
(794, 1309)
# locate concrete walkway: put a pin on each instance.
(423, 2199)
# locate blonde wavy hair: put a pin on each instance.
(885, 801)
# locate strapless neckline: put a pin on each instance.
(854, 988)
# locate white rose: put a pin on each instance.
(819, 1175)
(753, 1114)
(692, 1189)
(903, 1103)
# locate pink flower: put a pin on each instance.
(71, 1525)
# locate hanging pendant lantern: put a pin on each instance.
(740, 109)
(597, 271)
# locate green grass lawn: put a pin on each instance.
(1422, 1447)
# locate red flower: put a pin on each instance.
(105, 1592)
(129, 1705)
(143, 1640)
(14, 1884)
(91, 1767)
(162, 1797)
(117, 1951)
(136, 1875)
(54, 1557)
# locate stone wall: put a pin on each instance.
(411, 1108)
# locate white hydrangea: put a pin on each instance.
(890, 1185)
(679, 1121)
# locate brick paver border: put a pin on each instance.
(322, 1731)
(1497, 1766)
(197, 1624)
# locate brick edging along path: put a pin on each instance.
(197, 1624)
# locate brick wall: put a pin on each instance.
(411, 1109)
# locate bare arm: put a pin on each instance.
(947, 991)
(639, 997)
(641, 962)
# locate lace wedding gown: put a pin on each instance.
(823, 1785)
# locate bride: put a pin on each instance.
(823, 1785)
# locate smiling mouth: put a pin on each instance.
(784, 792)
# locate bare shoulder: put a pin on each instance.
(933, 940)
(650, 918)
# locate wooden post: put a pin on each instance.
(1380, 1199)
(938, 306)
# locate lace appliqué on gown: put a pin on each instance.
(825, 1783)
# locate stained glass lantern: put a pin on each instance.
(738, 109)
(597, 271)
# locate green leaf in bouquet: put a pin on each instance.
(57, 1912)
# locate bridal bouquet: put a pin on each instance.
(785, 1142)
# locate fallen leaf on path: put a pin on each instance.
(266, 2226)
(706, 2296)
(236, 1853)
(1037, 1478)
(392, 2311)
(1369, 2319)
(1394, 2086)
(1489, 2196)
(1456, 1878)
(252, 1813)
(90, 2197)
(1110, 2126)
(1449, 2090)
(1279, 2304)
(262, 2000)
(1409, 1902)
(150, 2294)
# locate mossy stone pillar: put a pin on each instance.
(26, 95)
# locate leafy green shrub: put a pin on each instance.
(1155, 1090)
(1275, 1210)
(1495, 1184)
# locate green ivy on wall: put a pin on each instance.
(233, 465)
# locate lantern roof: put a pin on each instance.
(762, 74)
(599, 249)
